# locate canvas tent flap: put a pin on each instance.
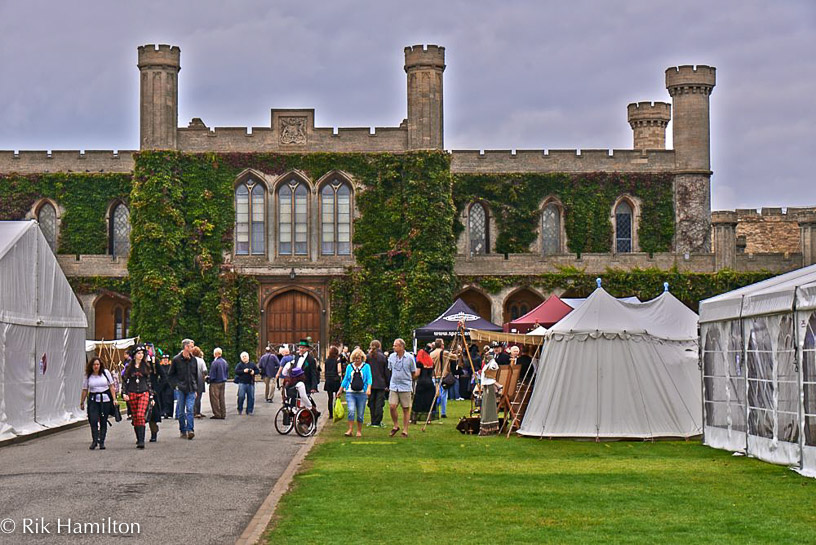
(446, 324)
(118, 344)
(42, 334)
(516, 338)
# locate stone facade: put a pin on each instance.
(772, 241)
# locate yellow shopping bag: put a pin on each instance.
(339, 412)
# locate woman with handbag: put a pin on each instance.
(138, 392)
(97, 388)
(357, 385)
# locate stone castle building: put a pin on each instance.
(294, 233)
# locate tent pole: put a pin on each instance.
(797, 360)
(525, 388)
(444, 366)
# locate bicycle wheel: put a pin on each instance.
(284, 421)
(305, 423)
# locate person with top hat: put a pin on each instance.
(501, 357)
(164, 390)
(138, 392)
(306, 361)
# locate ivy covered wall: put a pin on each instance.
(645, 284)
(514, 200)
(84, 198)
(182, 217)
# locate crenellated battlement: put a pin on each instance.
(33, 162)
(591, 160)
(649, 112)
(688, 78)
(424, 56)
(162, 55)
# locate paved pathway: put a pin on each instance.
(203, 491)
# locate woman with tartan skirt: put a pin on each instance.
(138, 392)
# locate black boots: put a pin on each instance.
(95, 437)
(103, 432)
(154, 432)
(140, 436)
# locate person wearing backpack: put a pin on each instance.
(357, 386)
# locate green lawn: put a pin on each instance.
(441, 487)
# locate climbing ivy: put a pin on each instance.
(588, 198)
(645, 284)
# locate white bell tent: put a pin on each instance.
(759, 370)
(615, 370)
(42, 335)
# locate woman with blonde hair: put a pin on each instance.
(357, 386)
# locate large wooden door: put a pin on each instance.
(292, 316)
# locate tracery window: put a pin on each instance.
(293, 227)
(623, 228)
(551, 229)
(249, 218)
(120, 231)
(335, 212)
(47, 218)
(477, 229)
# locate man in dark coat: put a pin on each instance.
(304, 360)
(380, 377)
(183, 376)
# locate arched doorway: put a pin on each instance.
(478, 302)
(519, 303)
(111, 317)
(291, 316)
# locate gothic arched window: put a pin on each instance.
(477, 229)
(47, 218)
(118, 323)
(293, 227)
(623, 228)
(551, 229)
(249, 218)
(335, 220)
(119, 225)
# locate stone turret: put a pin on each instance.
(690, 87)
(649, 121)
(724, 223)
(424, 66)
(159, 67)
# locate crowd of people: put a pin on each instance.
(417, 386)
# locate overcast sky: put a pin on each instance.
(520, 75)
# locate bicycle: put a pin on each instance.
(295, 416)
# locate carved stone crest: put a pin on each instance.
(293, 130)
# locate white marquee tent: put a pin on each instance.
(759, 370)
(612, 369)
(42, 335)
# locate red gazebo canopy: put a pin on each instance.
(546, 314)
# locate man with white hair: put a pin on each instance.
(219, 373)
(245, 373)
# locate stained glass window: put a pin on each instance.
(249, 219)
(335, 206)
(477, 228)
(293, 227)
(47, 217)
(120, 231)
(551, 230)
(623, 228)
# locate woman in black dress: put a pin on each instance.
(158, 378)
(332, 381)
(425, 387)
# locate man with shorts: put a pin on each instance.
(403, 370)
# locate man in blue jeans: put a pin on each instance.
(183, 377)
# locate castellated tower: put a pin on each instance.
(690, 87)
(159, 67)
(649, 121)
(424, 66)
